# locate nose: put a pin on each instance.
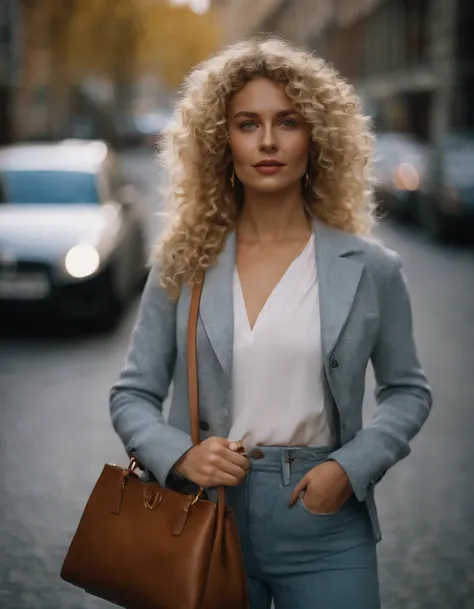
(268, 142)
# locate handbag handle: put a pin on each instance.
(193, 379)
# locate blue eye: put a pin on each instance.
(247, 125)
(288, 122)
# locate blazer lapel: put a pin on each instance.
(216, 307)
(339, 277)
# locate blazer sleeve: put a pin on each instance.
(136, 399)
(402, 393)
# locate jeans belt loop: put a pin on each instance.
(285, 468)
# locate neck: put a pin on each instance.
(274, 216)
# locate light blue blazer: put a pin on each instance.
(365, 315)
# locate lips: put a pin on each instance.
(268, 167)
(269, 163)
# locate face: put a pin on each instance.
(269, 141)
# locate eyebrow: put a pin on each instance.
(280, 114)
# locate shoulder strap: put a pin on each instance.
(193, 380)
(192, 362)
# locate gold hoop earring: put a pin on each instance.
(306, 179)
(232, 179)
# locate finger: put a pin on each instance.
(220, 450)
(228, 467)
(237, 456)
(240, 460)
(216, 441)
(223, 479)
(224, 446)
(302, 484)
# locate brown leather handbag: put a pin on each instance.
(142, 546)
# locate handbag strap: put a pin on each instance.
(192, 363)
(193, 380)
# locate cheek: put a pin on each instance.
(242, 148)
(300, 148)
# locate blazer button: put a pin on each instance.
(334, 363)
(203, 425)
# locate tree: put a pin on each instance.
(118, 39)
(175, 39)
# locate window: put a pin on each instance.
(416, 30)
(50, 187)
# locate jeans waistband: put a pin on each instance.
(286, 459)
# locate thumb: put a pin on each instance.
(302, 484)
(235, 446)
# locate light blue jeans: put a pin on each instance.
(299, 559)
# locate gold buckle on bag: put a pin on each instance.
(198, 496)
(132, 466)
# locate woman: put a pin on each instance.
(270, 184)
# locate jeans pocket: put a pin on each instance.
(317, 514)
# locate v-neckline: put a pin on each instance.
(270, 297)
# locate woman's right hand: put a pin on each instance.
(214, 462)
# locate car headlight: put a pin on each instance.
(405, 177)
(82, 261)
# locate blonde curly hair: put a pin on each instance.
(203, 206)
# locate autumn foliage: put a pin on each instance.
(120, 38)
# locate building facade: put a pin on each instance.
(242, 18)
(412, 61)
(9, 65)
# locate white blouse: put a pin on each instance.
(277, 377)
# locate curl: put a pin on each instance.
(201, 205)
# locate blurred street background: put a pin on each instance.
(86, 88)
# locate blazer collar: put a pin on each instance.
(338, 275)
(335, 241)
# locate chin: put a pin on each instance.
(269, 186)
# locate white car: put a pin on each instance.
(71, 229)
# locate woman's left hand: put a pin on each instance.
(326, 486)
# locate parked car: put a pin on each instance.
(71, 230)
(446, 202)
(400, 161)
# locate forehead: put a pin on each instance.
(262, 96)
